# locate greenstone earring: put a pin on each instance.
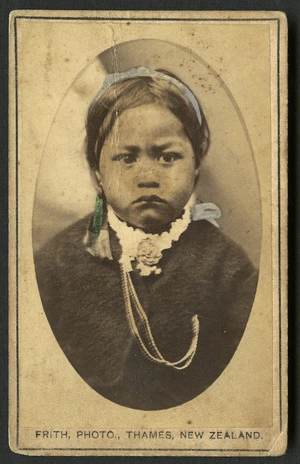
(98, 215)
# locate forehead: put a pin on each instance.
(145, 122)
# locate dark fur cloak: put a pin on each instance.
(204, 273)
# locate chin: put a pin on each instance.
(154, 223)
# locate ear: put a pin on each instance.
(197, 173)
(98, 182)
(98, 177)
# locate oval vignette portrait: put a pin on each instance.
(147, 225)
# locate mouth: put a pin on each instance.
(149, 199)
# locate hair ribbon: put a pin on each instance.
(143, 71)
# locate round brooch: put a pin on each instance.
(148, 255)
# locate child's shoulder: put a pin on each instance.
(64, 250)
(204, 234)
(69, 236)
(207, 242)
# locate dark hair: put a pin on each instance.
(134, 92)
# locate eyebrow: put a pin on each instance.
(164, 146)
(135, 148)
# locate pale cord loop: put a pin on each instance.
(130, 297)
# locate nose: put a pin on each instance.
(150, 184)
(148, 175)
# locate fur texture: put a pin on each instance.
(204, 273)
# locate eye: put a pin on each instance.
(167, 158)
(128, 158)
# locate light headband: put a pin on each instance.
(142, 71)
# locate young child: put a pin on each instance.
(149, 304)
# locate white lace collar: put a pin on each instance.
(146, 248)
(99, 246)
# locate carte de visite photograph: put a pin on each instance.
(148, 233)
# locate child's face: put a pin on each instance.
(147, 167)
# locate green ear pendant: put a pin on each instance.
(98, 216)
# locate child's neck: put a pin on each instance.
(156, 229)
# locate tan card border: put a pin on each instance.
(279, 218)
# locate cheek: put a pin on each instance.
(184, 179)
(110, 173)
(117, 188)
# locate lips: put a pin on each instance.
(150, 199)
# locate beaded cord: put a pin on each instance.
(152, 352)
